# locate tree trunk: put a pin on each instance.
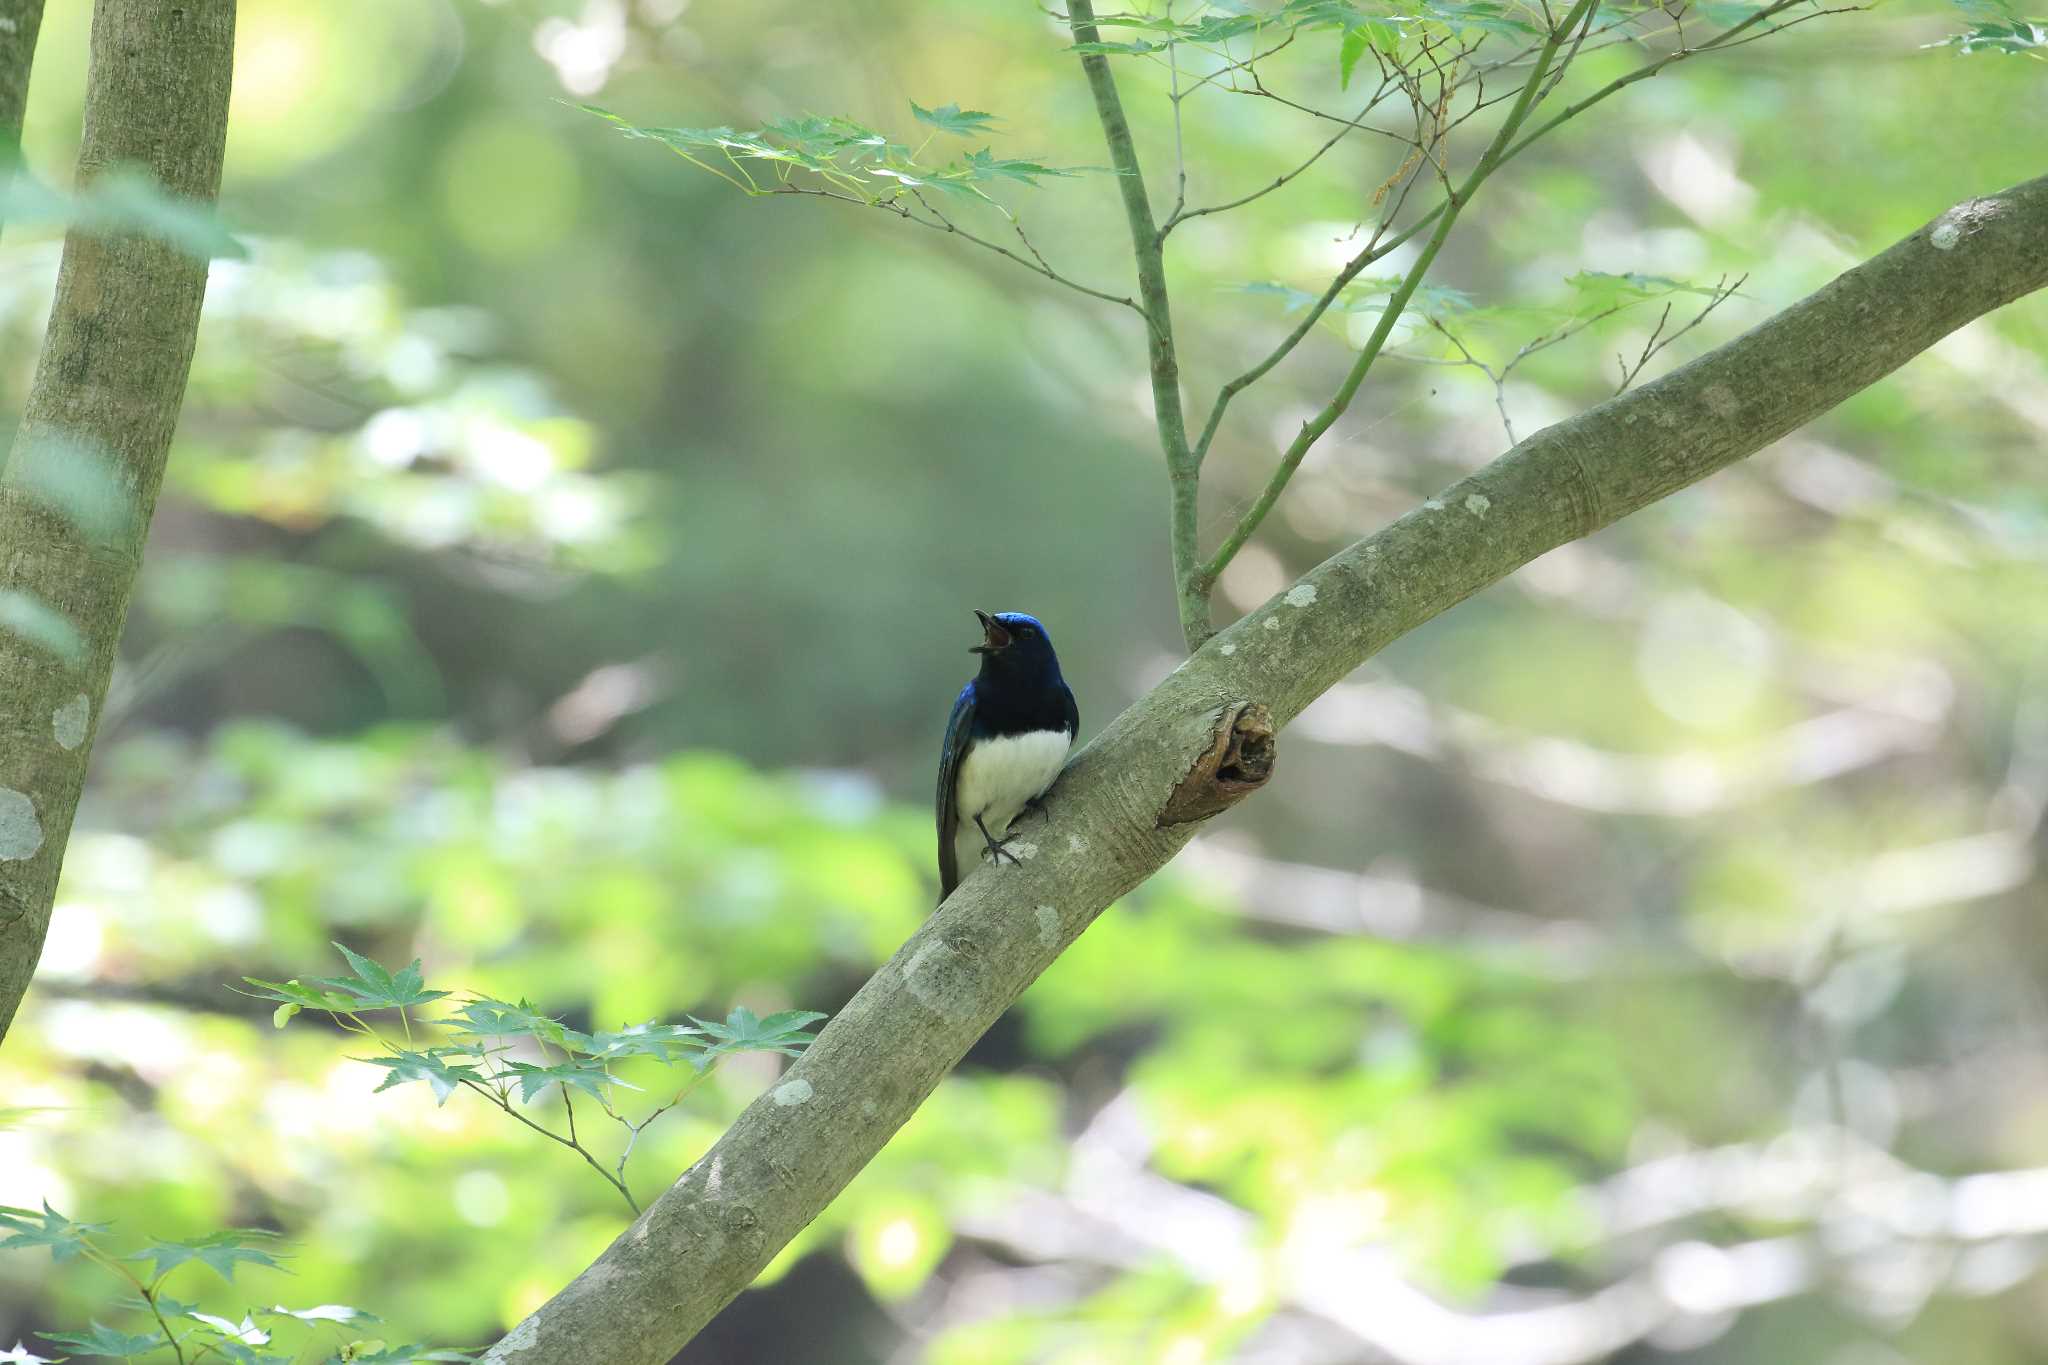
(1202, 739)
(77, 491)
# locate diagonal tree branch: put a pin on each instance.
(77, 490)
(1134, 796)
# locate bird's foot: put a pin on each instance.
(1035, 806)
(997, 849)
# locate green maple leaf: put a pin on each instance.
(431, 1066)
(781, 1032)
(220, 1252)
(669, 1043)
(105, 1341)
(951, 118)
(49, 1228)
(984, 165)
(486, 1018)
(378, 989)
(584, 1073)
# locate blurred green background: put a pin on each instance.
(566, 564)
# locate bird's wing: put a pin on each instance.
(1073, 714)
(957, 728)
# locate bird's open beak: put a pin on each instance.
(997, 635)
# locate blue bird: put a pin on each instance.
(1006, 741)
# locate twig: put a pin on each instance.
(1731, 37)
(1794, 23)
(1499, 379)
(1723, 39)
(1527, 349)
(1571, 55)
(1259, 89)
(1180, 156)
(570, 1142)
(1037, 265)
(1178, 216)
(1628, 374)
(1723, 291)
(1231, 68)
(1352, 268)
(1446, 217)
(633, 1130)
(940, 223)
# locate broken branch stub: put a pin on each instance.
(1238, 761)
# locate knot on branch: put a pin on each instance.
(1962, 221)
(13, 907)
(1237, 763)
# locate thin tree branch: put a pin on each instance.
(1180, 150)
(1112, 820)
(1454, 203)
(1571, 55)
(1147, 240)
(1725, 38)
(1037, 264)
(1231, 68)
(1379, 247)
(571, 1142)
(1180, 215)
(1352, 269)
(1723, 291)
(938, 222)
(1259, 89)
(1499, 377)
(1377, 250)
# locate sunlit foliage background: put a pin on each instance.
(565, 568)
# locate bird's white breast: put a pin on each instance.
(1000, 774)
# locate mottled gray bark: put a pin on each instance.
(77, 490)
(797, 1146)
(20, 21)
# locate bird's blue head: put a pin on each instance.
(1015, 646)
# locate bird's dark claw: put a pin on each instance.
(1035, 806)
(998, 849)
